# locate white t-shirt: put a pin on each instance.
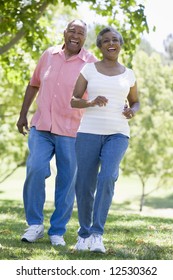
(108, 119)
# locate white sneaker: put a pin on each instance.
(82, 244)
(57, 240)
(32, 233)
(97, 243)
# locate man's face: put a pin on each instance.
(74, 37)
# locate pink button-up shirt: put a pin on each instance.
(55, 76)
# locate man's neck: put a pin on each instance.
(69, 54)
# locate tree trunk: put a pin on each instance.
(142, 200)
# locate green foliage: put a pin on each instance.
(17, 60)
(128, 18)
(151, 144)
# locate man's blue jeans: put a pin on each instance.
(42, 147)
(98, 159)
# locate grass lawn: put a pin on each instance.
(129, 235)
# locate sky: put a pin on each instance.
(159, 13)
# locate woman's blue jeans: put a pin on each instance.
(42, 147)
(98, 159)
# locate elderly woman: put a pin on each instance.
(103, 135)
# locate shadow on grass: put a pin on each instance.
(157, 202)
(152, 202)
(127, 236)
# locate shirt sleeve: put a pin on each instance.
(86, 70)
(35, 79)
(132, 77)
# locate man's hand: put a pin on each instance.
(22, 125)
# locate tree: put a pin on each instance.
(168, 45)
(146, 47)
(129, 18)
(17, 63)
(151, 144)
(20, 18)
(27, 28)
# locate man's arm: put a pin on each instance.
(30, 94)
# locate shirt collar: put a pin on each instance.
(57, 49)
(82, 54)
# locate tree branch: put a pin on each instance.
(22, 31)
(12, 171)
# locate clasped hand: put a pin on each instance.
(99, 101)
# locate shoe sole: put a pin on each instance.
(26, 240)
(81, 250)
(54, 244)
(97, 250)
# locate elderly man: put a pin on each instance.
(53, 131)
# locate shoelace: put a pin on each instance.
(97, 238)
(82, 240)
(31, 229)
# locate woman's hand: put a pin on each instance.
(128, 112)
(98, 101)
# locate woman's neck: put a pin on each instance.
(109, 63)
(109, 67)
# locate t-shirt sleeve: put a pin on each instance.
(132, 77)
(86, 70)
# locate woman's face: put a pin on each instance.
(110, 45)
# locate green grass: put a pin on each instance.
(129, 235)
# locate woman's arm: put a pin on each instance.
(134, 103)
(79, 90)
(78, 102)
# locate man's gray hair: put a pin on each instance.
(77, 20)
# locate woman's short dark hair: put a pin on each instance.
(105, 30)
